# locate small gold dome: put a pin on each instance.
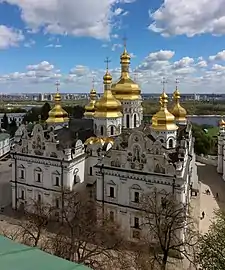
(57, 115)
(108, 106)
(222, 123)
(163, 119)
(90, 107)
(126, 88)
(96, 140)
(178, 111)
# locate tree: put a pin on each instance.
(78, 112)
(5, 122)
(82, 238)
(212, 244)
(32, 115)
(36, 218)
(170, 230)
(45, 110)
(12, 128)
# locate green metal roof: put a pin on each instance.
(4, 136)
(14, 256)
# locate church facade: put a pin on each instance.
(110, 149)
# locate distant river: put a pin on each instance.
(211, 120)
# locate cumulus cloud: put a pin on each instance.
(77, 18)
(10, 37)
(195, 75)
(220, 56)
(190, 18)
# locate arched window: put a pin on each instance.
(135, 120)
(112, 130)
(170, 143)
(128, 120)
(102, 130)
(136, 153)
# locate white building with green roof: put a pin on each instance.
(4, 144)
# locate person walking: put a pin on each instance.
(203, 214)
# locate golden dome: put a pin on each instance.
(57, 114)
(126, 88)
(108, 106)
(90, 108)
(178, 111)
(96, 140)
(163, 119)
(222, 123)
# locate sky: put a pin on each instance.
(44, 41)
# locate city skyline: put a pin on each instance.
(42, 42)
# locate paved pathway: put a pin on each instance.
(211, 180)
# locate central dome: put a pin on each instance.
(126, 88)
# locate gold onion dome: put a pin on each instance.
(90, 107)
(57, 114)
(163, 119)
(222, 123)
(108, 106)
(178, 111)
(126, 88)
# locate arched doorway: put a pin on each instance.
(128, 120)
(111, 130)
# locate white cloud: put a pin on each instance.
(116, 46)
(195, 75)
(182, 17)
(132, 55)
(76, 18)
(220, 56)
(53, 46)
(201, 63)
(160, 56)
(29, 43)
(10, 37)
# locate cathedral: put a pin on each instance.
(110, 152)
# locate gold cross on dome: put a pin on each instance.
(93, 83)
(57, 86)
(164, 81)
(125, 41)
(107, 61)
(177, 82)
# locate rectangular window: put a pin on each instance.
(111, 192)
(136, 223)
(38, 177)
(136, 197)
(57, 203)
(136, 234)
(90, 170)
(111, 216)
(57, 181)
(39, 198)
(22, 194)
(22, 174)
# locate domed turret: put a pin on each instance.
(107, 106)
(90, 107)
(57, 115)
(163, 119)
(178, 111)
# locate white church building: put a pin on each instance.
(110, 150)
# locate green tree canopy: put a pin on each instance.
(212, 245)
(45, 110)
(5, 122)
(12, 128)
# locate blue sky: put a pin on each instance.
(45, 41)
